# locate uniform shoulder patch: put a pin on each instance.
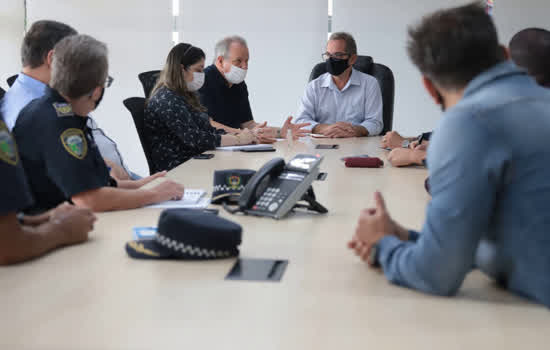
(75, 142)
(63, 109)
(8, 148)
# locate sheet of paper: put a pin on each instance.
(319, 136)
(192, 199)
(238, 148)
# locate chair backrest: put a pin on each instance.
(385, 78)
(2, 93)
(148, 80)
(11, 80)
(136, 106)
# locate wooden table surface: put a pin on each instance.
(93, 296)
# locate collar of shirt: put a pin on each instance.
(498, 71)
(33, 86)
(328, 82)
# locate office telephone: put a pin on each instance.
(277, 188)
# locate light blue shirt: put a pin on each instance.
(358, 103)
(489, 165)
(24, 90)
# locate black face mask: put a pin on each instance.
(100, 98)
(336, 67)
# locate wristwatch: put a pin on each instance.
(405, 144)
(373, 256)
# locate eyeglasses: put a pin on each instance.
(109, 81)
(336, 55)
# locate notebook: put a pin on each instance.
(192, 199)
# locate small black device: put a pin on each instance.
(327, 147)
(277, 188)
(204, 156)
(250, 150)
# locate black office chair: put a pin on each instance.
(2, 93)
(148, 80)
(385, 78)
(136, 106)
(11, 80)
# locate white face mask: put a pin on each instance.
(197, 82)
(236, 75)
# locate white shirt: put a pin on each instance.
(358, 103)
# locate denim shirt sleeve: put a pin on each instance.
(465, 165)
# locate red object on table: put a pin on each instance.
(360, 162)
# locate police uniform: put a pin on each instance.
(58, 152)
(15, 191)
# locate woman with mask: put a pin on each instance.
(176, 124)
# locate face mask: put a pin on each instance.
(197, 82)
(236, 75)
(336, 67)
(100, 98)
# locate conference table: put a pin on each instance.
(93, 296)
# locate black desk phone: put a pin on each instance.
(277, 188)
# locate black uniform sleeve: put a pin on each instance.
(16, 194)
(245, 112)
(73, 161)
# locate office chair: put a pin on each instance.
(148, 80)
(136, 106)
(11, 80)
(385, 78)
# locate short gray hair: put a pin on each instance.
(79, 66)
(351, 46)
(222, 46)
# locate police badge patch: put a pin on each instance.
(75, 143)
(63, 109)
(234, 181)
(8, 149)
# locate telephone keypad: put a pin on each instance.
(271, 199)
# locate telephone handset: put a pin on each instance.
(257, 184)
(277, 187)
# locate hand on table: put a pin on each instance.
(168, 190)
(405, 156)
(247, 137)
(374, 224)
(264, 134)
(296, 129)
(339, 130)
(74, 222)
(392, 140)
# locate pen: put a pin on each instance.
(420, 139)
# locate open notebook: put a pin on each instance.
(192, 198)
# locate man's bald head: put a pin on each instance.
(530, 49)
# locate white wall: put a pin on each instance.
(285, 39)
(11, 34)
(138, 34)
(380, 29)
(511, 16)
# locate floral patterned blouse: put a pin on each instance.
(176, 131)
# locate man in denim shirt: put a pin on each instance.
(489, 166)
